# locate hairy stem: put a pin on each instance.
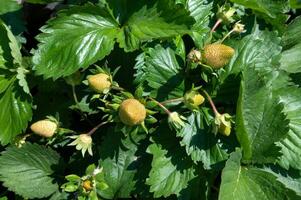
(211, 102)
(172, 100)
(160, 105)
(217, 23)
(93, 130)
(74, 95)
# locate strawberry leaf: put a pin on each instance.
(160, 70)
(240, 182)
(88, 31)
(270, 10)
(260, 120)
(291, 56)
(199, 141)
(171, 169)
(162, 20)
(27, 170)
(15, 104)
(291, 145)
(120, 163)
(9, 6)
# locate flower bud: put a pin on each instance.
(44, 128)
(132, 112)
(225, 13)
(223, 124)
(193, 100)
(195, 56)
(99, 82)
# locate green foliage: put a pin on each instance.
(260, 119)
(239, 140)
(15, 109)
(27, 170)
(240, 182)
(199, 140)
(171, 169)
(159, 69)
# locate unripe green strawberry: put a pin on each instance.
(99, 82)
(224, 130)
(217, 55)
(193, 100)
(45, 128)
(132, 112)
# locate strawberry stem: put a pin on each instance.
(172, 100)
(160, 105)
(217, 23)
(228, 34)
(93, 130)
(74, 95)
(211, 102)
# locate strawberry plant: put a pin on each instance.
(150, 99)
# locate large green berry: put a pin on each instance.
(99, 82)
(217, 55)
(132, 112)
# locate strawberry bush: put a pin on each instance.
(150, 99)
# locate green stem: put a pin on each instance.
(228, 34)
(74, 95)
(172, 100)
(117, 88)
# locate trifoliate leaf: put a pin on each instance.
(200, 10)
(291, 145)
(272, 11)
(159, 68)
(261, 48)
(9, 6)
(290, 181)
(27, 170)
(171, 168)
(291, 57)
(241, 182)
(162, 19)
(21, 76)
(88, 31)
(259, 118)
(292, 34)
(15, 112)
(10, 46)
(199, 141)
(119, 162)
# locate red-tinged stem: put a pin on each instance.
(96, 127)
(211, 103)
(160, 105)
(217, 23)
